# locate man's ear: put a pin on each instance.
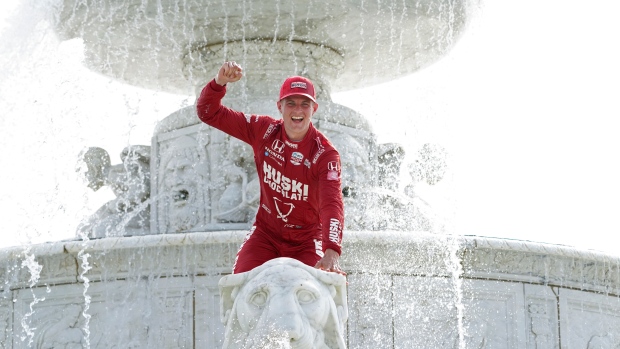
(279, 104)
(229, 288)
(337, 284)
(315, 106)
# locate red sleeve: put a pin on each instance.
(211, 111)
(331, 206)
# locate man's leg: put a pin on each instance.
(256, 249)
(309, 253)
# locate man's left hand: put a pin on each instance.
(329, 262)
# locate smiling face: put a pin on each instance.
(296, 113)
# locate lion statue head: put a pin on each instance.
(284, 304)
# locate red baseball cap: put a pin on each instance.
(297, 85)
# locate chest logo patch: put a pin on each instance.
(296, 158)
(278, 146)
(281, 214)
(333, 170)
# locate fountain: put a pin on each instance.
(149, 275)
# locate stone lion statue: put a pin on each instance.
(284, 304)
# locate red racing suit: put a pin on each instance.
(301, 211)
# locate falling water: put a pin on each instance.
(34, 269)
(85, 267)
(400, 282)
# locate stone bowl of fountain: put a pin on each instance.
(150, 268)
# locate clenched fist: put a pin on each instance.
(229, 72)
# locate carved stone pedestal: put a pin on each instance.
(405, 290)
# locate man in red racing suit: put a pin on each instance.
(301, 211)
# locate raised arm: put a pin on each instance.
(210, 110)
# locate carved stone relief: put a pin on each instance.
(541, 310)
(129, 212)
(493, 315)
(589, 320)
(284, 303)
(182, 183)
(209, 332)
(206, 181)
(155, 314)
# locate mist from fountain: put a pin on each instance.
(58, 116)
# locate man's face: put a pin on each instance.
(296, 112)
(180, 181)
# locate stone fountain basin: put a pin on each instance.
(406, 290)
(147, 43)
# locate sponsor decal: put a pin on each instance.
(333, 166)
(296, 158)
(269, 130)
(248, 118)
(319, 152)
(266, 208)
(273, 154)
(307, 163)
(282, 215)
(278, 146)
(290, 189)
(332, 176)
(290, 144)
(333, 171)
(318, 247)
(334, 230)
(299, 84)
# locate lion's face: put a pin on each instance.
(284, 306)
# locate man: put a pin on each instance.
(301, 212)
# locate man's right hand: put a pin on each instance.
(229, 72)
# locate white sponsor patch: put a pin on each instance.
(269, 131)
(334, 231)
(299, 84)
(319, 152)
(290, 144)
(290, 189)
(318, 246)
(296, 158)
(333, 166)
(277, 145)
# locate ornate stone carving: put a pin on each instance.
(238, 202)
(206, 181)
(120, 314)
(183, 176)
(589, 320)
(129, 212)
(541, 311)
(284, 303)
